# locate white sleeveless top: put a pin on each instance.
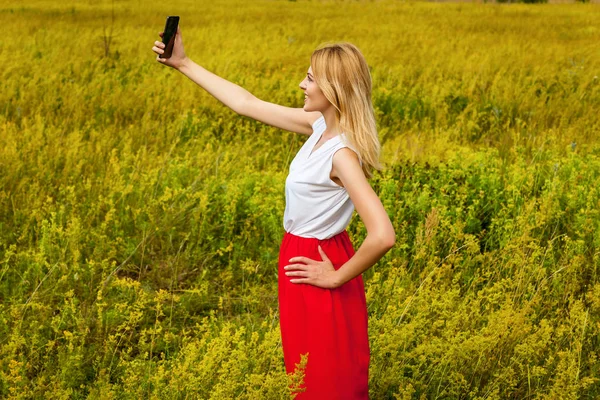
(316, 206)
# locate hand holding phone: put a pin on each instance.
(169, 36)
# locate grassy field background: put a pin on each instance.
(140, 219)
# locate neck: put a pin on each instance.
(333, 128)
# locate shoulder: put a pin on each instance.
(346, 157)
(346, 165)
(347, 172)
(346, 151)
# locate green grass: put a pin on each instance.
(140, 219)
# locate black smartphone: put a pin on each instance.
(169, 35)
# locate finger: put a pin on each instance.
(297, 273)
(161, 34)
(305, 260)
(302, 280)
(159, 44)
(302, 267)
(323, 255)
(157, 50)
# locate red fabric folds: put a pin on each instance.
(328, 324)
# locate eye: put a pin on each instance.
(308, 77)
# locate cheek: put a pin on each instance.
(314, 91)
(320, 97)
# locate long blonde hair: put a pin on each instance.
(342, 74)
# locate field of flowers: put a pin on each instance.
(140, 219)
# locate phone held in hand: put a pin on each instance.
(169, 35)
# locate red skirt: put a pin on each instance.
(328, 324)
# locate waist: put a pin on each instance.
(338, 248)
(341, 234)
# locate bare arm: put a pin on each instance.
(234, 96)
(380, 232)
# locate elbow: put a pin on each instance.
(390, 241)
(239, 107)
(387, 239)
(243, 104)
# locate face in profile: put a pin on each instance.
(314, 99)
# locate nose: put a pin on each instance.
(302, 84)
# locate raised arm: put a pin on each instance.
(234, 96)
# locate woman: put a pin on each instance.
(322, 304)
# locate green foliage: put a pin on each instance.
(522, 1)
(140, 219)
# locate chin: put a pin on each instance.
(308, 108)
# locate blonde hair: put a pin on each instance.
(342, 74)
